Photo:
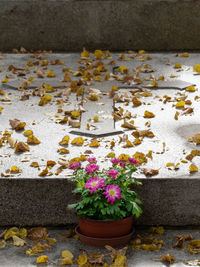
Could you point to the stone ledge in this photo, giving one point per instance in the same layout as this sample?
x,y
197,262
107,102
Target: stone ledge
x,y
106,24
173,202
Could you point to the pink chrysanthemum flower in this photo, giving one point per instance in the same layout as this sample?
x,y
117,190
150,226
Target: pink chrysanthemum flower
x,y
132,160
112,173
112,192
123,164
92,160
115,161
92,168
74,166
94,183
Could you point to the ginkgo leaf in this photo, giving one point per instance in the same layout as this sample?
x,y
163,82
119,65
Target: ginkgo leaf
x,y
82,259
75,114
18,242
28,132
191,88
63,151
21,147
168,258
150,172
2,244
1,108
136,102
51,163
34,164
111,155
38,248
44,100
123,70
22,233
78,141
32,140
196,68
184,54
98,54
50,74
96,118
193,168
140,157
148,114
42,259
65,140
67,254
93,97
178,66
43,172
11,232
180,104
15,169
94,143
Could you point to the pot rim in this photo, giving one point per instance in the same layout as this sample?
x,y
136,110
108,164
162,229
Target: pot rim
x,y
92,220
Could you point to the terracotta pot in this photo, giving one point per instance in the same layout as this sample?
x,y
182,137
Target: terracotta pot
x,y
105,229
101,242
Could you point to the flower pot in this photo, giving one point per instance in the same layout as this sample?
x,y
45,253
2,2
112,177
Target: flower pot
x,y
105,229
101,242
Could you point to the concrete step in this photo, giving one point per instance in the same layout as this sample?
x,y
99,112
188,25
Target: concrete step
x,y
70,25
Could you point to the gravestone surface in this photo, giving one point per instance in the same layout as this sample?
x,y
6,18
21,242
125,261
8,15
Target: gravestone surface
x,y
28,199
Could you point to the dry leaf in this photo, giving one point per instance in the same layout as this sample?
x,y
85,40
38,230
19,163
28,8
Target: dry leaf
x,y
150,172
78,141
148,114
194,138
168,258
2,244
193,168
18,242
17,125
21,147
65,140
42,259
94,143
28,132
37,233
32,140
38,248
75,124
44,100
159,230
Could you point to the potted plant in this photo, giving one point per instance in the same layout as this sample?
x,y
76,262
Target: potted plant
x,y
108,206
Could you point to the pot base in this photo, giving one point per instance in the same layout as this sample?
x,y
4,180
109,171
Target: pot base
x,y
101,242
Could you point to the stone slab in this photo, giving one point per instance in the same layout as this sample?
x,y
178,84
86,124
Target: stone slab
x,y
13,256
70,25
43,201
30,200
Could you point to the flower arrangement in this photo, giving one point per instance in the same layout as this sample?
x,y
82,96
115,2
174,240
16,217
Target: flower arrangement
x,y
106,194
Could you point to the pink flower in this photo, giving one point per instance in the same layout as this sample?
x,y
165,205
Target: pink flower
x,y
112,192
132,160
92,160
92,168
74,165
123,164
115,161
94,183
112,173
